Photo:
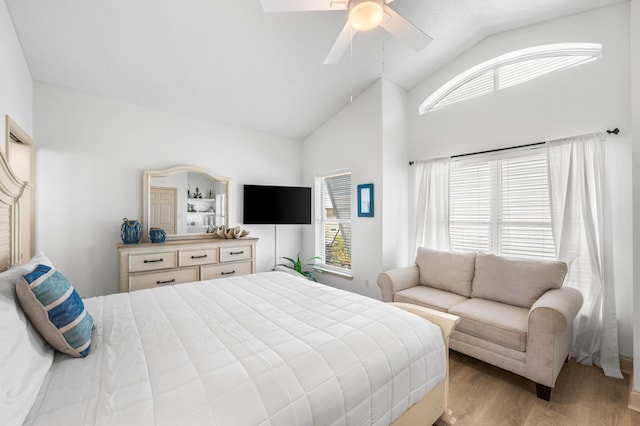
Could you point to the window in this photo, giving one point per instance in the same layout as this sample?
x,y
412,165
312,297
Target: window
x,y
333,223
501,206
511,69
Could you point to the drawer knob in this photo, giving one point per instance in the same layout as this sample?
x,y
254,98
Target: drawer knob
x,y
228,273
237,252
173,280
199,257
154,260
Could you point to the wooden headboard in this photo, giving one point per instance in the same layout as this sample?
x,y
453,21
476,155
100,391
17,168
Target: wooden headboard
x,y
12,229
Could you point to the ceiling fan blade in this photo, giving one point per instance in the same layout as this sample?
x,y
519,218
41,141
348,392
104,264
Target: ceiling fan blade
x,y
404,30
302,5
341,44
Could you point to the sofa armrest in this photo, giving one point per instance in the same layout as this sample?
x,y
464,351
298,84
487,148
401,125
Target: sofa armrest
x,y
549,334
395,280
555,310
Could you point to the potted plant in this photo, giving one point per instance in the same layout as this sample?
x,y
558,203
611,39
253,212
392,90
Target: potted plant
x,y
297,265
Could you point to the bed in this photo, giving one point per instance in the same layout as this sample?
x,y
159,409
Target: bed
x,y
261,349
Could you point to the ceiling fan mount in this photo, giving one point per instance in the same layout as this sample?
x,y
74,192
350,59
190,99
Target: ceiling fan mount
x,y
363,15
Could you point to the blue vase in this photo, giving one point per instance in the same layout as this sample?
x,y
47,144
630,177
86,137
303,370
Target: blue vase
x,y
157,235
130,231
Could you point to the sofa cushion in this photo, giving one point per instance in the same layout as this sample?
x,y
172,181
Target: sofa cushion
x,y
445,270
429,297
517,282
502,324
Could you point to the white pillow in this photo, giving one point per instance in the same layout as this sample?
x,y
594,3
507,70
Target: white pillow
x,y
25,358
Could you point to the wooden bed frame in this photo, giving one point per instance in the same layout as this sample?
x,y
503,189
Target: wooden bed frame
x,y
13,206
431,409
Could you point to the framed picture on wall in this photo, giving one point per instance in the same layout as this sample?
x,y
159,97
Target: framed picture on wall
x,y
365,200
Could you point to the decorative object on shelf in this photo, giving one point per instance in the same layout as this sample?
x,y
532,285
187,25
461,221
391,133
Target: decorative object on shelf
x,y
191,208
239,232
130,231
230,233
365,200
210,195
157,235
188,193
197,194
224,232
218,231
299,267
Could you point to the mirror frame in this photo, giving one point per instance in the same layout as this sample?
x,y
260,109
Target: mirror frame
x,y
146,182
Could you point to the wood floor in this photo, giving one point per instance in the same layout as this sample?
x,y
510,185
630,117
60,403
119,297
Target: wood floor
x,y
480,394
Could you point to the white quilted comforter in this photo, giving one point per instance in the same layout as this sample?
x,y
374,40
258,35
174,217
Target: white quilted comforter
x,y
264,349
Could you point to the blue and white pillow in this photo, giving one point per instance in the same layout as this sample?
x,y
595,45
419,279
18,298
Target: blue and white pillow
x,y
56,310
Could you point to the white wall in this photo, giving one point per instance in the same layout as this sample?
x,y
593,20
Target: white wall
x,y
352,140
16,87
635,123
369,138
91,153
395,168
585,99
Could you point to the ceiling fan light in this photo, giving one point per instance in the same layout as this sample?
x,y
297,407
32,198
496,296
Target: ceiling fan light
x,y
365,15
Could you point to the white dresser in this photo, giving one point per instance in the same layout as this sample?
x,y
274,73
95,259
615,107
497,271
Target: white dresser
x,y
150,265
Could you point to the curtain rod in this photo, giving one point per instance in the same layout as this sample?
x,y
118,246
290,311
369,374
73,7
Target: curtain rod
x,y
411,163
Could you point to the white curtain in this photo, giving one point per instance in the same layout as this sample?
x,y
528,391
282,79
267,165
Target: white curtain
x,y
430,189
576,181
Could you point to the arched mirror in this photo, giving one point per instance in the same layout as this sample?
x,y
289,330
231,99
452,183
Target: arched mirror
x,y
185,201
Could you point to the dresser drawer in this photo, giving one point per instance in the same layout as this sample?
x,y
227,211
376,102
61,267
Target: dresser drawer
x,y
197,256
147,265
156,279
140,262
232,254
227,270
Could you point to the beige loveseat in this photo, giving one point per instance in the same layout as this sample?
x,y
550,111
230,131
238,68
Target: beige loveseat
x,y
514,313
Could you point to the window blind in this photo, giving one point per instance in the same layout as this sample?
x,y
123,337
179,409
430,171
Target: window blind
x,y
470,206
509,70
335,250
520,72
501,206
481,85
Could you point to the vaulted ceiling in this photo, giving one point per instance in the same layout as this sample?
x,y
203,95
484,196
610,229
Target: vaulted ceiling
x,y
230,62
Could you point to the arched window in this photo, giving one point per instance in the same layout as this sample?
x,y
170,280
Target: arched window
x,y
510,69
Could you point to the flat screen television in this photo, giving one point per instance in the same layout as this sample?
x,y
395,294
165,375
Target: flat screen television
x,y
276,205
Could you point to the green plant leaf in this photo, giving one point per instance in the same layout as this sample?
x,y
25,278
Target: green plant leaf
x,y
286,266
298,265
310,275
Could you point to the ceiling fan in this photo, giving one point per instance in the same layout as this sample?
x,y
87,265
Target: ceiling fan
x,y
364,15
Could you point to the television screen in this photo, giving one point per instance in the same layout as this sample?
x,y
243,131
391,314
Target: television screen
x,y
277,205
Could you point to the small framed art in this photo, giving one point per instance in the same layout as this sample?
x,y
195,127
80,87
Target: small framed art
x,y
365,200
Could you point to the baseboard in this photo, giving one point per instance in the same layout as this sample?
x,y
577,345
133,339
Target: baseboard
x,y
626,365
634,397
